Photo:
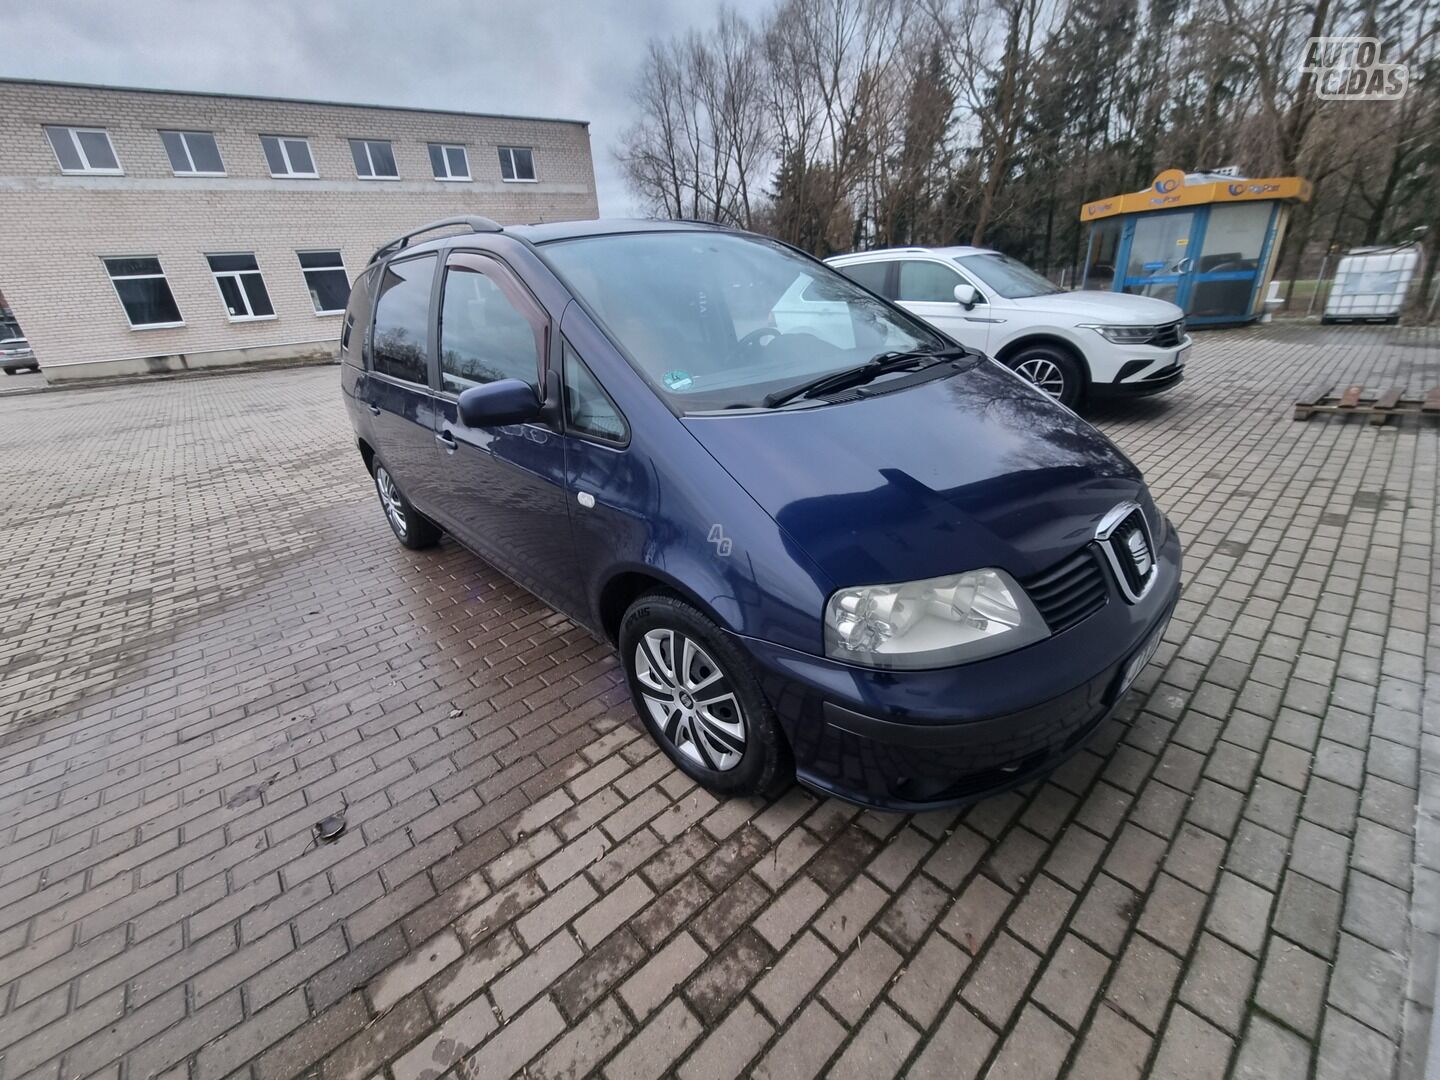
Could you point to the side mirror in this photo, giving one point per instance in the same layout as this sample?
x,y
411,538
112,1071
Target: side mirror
x,y
966,296
505,401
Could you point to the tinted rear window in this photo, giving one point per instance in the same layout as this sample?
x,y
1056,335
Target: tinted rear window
x,y
357,317
871,275
402,320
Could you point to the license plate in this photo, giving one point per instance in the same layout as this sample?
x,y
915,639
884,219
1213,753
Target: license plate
x,y
1182,356
1143,656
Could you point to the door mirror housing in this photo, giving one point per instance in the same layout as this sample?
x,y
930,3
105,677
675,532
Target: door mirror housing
x,y
966,295
505,401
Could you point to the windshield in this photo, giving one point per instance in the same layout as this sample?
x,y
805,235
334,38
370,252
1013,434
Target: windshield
x,y
1009,277
716,320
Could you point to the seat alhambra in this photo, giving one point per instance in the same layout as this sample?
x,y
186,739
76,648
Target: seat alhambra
x,y
854,552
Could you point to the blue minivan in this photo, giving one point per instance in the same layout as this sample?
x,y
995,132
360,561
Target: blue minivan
x,y
827,542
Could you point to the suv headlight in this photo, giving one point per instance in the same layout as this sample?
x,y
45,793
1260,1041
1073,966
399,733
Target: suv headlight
x,y
1124,335
932,623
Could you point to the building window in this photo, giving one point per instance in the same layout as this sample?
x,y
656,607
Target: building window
x,y
242,289
83,150
288,156
517,163
193,153
325,278
449,162
374,160
143,292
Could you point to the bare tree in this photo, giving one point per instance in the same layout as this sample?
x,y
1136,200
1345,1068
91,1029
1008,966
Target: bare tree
x,y
702,139
848,123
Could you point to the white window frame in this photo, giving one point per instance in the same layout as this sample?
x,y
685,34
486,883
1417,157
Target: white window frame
x,y
307,269
371,161
240,286
445,149
280,141
73,131
519,179
185,142
141,277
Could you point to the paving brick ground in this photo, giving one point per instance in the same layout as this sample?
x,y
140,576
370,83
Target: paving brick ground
x,y
210,641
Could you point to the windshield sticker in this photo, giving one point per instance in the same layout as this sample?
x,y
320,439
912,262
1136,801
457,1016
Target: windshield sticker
x,y
678,380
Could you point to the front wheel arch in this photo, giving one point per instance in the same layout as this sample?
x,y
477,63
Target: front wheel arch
x,y
624,588
1015,349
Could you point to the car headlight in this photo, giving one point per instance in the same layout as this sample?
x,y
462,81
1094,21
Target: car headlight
x,y
1125,335
932,623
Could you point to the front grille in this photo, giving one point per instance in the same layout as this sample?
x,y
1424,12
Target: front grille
x,y
1170,335
1071,590
1131,554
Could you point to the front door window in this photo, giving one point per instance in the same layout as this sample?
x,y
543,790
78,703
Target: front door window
x,y
484,334
924,282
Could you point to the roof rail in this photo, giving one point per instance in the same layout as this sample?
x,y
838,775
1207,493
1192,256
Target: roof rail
x,y
474,223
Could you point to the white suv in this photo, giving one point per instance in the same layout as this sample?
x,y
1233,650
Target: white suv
x,y
1070,344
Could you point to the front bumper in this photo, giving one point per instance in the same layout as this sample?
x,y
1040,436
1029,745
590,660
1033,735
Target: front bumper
x,y
1143,370
920,740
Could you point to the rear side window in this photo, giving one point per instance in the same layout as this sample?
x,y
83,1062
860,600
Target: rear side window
x,y
357,316
871,275
927,283
484,336
402,318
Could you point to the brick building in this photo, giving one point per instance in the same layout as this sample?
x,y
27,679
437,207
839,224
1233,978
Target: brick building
x,y
151,230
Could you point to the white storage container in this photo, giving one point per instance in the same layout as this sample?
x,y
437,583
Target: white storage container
x,y
1372,283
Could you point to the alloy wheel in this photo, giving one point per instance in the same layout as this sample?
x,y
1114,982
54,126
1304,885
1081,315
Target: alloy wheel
x,y
390,499
1044,374
690,699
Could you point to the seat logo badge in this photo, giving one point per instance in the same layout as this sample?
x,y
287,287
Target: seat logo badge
x,y
1139,552
1123,536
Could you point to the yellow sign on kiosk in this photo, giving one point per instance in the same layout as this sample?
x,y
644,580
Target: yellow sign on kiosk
x,y
1170,189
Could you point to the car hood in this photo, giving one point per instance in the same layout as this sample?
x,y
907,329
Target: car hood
x,y
977,469
1104,307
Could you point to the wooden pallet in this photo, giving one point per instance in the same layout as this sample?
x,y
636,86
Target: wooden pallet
x,y
1379,408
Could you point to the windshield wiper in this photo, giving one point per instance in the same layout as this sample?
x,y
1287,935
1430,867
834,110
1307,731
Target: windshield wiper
x,y
862,373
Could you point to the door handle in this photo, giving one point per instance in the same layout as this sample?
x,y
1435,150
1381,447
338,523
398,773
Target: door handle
x,y
374,409
447,440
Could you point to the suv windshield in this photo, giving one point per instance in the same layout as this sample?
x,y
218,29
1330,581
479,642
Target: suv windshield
x,y
715,320
1009,277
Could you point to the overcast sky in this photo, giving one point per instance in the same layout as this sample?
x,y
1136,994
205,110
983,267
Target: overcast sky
x,y
570,58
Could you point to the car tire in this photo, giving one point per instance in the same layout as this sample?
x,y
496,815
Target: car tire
x,y
1053,370
730,742
410,527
